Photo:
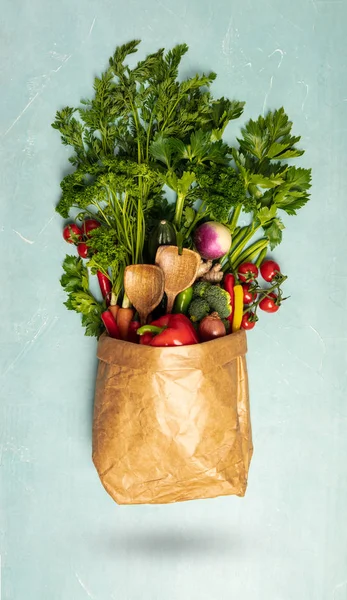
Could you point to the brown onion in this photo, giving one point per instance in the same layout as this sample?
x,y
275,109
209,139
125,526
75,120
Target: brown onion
x,y
211,328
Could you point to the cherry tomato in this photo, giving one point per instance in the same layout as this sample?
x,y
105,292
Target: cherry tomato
x,y
269,269
268,304
72,233
248,296
247,272
89,225
248,320
82,250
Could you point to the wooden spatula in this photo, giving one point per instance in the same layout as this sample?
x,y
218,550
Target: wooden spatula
x,y
144,286
180,270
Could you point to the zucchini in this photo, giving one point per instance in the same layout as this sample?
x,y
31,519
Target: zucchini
x,y
163,235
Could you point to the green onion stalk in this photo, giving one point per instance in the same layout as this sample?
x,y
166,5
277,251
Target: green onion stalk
x,y
240,250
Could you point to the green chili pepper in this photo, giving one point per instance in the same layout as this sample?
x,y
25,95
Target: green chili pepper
x,y
150,329
182,301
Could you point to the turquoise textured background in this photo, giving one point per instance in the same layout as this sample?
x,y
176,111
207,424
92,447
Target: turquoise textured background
x,y
62,537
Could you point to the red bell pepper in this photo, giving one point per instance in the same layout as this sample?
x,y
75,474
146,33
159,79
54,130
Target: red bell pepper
x,y
146,338
228,284
170,330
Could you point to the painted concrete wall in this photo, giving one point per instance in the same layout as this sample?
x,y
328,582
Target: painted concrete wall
x,y
62,537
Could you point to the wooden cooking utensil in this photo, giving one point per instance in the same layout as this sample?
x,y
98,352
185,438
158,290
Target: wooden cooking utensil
x,y
144,286
180,270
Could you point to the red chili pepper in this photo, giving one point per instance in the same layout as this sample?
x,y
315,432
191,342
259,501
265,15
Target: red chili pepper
x,y
105,287
134,325
228,284
170,330
146,338
110,324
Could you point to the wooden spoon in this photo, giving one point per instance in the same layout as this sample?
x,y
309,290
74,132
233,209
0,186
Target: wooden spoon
x,y
144,286
180,270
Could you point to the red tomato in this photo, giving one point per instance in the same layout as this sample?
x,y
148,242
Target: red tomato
x,y
269,269
72,233
248,296
248,320
89,225
82,250
247,271
268,304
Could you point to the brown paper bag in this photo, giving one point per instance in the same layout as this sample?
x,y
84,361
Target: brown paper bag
x,y
172,424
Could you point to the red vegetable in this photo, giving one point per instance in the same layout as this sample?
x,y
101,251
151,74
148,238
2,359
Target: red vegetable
x,y
72,233
82,250
105,286
170,330
248,320
89,225
268,304
211,328
269,269
146,338
248,296
247,272
229,283
134,325
110,324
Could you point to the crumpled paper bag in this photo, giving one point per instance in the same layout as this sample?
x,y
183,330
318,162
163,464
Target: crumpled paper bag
x,y
172,424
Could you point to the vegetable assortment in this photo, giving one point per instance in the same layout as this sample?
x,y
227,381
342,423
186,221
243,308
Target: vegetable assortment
x,y
169,330
145,132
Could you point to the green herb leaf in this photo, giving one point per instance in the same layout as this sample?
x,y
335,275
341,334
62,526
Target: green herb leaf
x,y
266,214
265,182
220,189
76,284
189,216
167,150
281,151
222,112
269,137
274,232
293,193
109,256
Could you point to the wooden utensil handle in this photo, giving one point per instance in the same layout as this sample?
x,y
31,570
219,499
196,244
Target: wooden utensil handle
x,y
170,301
143,318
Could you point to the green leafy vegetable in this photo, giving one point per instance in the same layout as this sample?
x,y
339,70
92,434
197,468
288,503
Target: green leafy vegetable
x,y
76,284
142,116
145,130
269,137
270,184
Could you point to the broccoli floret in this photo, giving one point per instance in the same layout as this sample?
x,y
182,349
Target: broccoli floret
x,y
208,298
226,325
200,288
198,309
219,300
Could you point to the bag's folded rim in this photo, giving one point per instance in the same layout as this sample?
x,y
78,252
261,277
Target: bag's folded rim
x,y
227,348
